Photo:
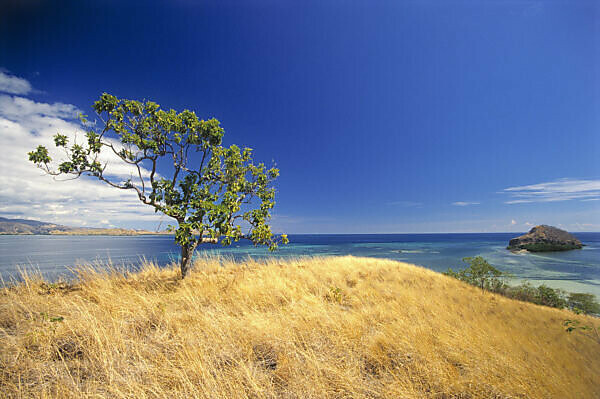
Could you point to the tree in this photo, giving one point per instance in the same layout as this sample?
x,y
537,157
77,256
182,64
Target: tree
x,y
583,303
552,297
480,273
212,192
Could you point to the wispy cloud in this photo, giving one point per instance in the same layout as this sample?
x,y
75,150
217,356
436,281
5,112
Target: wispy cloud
x,y
27,192
558,190
13,84
465,203
407,204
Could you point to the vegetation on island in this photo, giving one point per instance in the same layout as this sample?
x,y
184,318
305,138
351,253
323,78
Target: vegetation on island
x,y
212,191
547,247
340,327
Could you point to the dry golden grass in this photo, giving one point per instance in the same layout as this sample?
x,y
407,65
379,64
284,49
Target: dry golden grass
x,y
307,328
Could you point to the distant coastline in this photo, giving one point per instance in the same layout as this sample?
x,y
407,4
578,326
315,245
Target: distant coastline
x,y
92,232
36,227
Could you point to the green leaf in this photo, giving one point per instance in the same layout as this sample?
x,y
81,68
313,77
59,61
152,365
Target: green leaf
x,y
40,155
60,140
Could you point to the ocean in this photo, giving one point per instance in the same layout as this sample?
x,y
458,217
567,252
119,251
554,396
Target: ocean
x,y
56,256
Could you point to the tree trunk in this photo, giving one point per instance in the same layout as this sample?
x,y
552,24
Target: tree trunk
x,y
187,251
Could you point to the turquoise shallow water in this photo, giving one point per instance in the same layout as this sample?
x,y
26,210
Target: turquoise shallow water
x,y
53,256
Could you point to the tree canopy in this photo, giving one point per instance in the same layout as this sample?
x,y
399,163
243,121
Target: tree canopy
x,y
213,192
479,273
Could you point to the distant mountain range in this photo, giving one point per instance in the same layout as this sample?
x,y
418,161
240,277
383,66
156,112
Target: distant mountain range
x,y
25,226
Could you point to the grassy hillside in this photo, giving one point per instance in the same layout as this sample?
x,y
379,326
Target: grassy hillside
x,y
323,328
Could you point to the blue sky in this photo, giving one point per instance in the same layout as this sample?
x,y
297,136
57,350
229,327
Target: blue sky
x,y
424,116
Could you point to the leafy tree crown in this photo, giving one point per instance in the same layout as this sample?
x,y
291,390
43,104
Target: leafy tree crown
x,y
212,191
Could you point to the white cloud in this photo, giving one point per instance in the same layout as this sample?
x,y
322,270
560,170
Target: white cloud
x,y
14,107
12,84
464,203
558,190
25,191
513,222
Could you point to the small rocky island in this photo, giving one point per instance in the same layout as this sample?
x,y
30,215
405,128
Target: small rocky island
x,y
545,238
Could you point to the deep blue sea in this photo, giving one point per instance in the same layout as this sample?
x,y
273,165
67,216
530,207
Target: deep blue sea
x,y
53,256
